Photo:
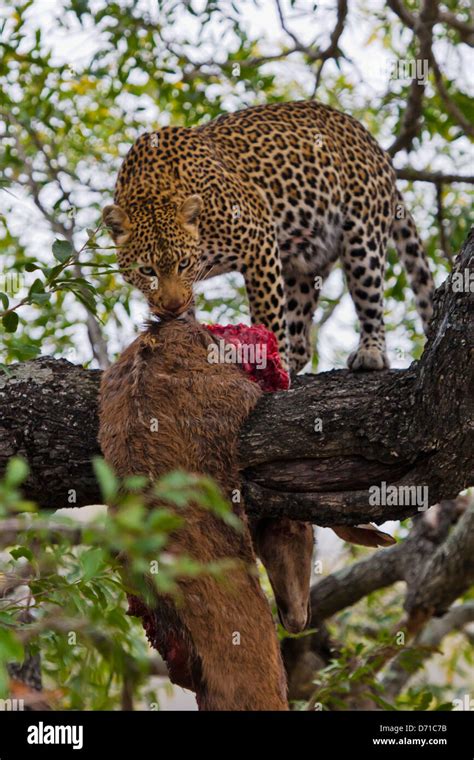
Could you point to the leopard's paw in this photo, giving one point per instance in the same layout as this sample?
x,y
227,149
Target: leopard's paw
x,y
368,358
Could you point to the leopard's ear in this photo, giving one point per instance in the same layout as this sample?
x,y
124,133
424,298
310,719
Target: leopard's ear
x,y
190,210
117,222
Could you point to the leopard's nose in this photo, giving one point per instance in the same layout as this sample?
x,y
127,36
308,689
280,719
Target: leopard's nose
x,y
173,305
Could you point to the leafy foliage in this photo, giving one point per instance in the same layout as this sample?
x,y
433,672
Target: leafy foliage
x,y
66,599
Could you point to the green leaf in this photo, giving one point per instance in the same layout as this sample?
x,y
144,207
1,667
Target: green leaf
x,y
16,472
380,702
91,562
130,517
10,647
10,321
52,272
7,618
26,351
135,482
164,521
4,681
22,551
62,250
425,700
37,293
37,286
40,298
106,478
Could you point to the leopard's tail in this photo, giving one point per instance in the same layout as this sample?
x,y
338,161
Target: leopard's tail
x,y
413,257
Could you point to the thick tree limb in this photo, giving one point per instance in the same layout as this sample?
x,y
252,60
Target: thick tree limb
x,y
413,427
312,453
345,587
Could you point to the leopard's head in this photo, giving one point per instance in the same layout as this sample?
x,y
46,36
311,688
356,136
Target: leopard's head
x,y
158,250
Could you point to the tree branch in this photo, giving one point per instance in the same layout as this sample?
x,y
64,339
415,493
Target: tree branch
x,y
465,30
403,561
448,573
449,104
413,175
407,562
402,12
316,452
422,26
332,50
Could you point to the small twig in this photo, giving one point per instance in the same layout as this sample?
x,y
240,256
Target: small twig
x,y
449,104
465,30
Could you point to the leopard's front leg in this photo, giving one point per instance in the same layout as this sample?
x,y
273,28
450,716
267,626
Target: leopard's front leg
x,y
266,293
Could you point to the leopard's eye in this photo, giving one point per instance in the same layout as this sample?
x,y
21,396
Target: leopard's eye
x,y
183,264
147,271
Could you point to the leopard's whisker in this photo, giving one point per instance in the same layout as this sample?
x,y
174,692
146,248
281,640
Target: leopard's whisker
x,y
202,271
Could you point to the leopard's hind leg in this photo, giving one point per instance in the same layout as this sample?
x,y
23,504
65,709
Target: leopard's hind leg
x,y
363,258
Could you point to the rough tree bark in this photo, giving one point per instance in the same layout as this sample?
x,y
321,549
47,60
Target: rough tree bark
x,y
312,452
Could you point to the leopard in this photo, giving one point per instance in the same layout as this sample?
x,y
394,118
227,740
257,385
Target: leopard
x,y
280,193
